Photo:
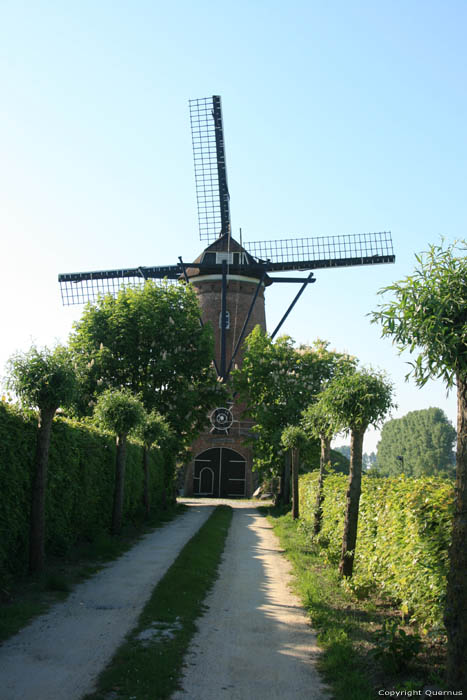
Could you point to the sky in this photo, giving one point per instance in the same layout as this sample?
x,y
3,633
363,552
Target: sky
x,y
339,118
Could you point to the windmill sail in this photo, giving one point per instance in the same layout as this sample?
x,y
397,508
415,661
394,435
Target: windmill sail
x,y
212,193
324,251
81,287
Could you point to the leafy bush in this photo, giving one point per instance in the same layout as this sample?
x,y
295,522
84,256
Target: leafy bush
x,y
395,648
80,484
404,532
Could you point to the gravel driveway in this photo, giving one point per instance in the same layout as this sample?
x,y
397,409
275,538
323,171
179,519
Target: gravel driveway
x,y
254,642
60,654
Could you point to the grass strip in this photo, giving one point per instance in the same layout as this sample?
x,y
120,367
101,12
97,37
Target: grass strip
x,y
148,665
347,627
30,596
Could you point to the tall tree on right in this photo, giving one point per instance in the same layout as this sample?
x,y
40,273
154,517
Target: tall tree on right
x,y
428,311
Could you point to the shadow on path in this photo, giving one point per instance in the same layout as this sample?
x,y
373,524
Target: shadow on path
x,y
255,640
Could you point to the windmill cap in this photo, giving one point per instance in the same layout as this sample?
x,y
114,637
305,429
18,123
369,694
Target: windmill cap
x,y
227,248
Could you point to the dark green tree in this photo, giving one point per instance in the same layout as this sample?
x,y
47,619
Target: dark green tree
x,y
120,412
420,443
153,431
318,423
428,312
150,341
344,450
293,438
276,382
353,401
44,380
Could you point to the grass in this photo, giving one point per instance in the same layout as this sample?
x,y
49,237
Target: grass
x,y
349,629
29,596
148,665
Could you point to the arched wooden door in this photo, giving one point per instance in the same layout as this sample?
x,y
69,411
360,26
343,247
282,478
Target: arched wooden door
x,y
219,472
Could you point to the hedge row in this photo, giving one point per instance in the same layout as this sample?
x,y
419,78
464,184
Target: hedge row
x,y
79,489
404,530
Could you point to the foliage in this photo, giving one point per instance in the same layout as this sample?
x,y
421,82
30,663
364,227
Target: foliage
x,y
404,534
293,437
80,482
150,341
344,450
428,311
369,459
42,379
352,401
119,411
318,422
423,439
348,627
396,649
356,399
154,429
277,381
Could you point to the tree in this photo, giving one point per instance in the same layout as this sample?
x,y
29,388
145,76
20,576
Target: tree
x,y
369,462
344,450
293,439
276,382
428,312
42,379
120,412
353,401
419,443
153,430
149,340
318,423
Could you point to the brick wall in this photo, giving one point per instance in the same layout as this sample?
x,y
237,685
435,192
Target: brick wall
x,y
240,293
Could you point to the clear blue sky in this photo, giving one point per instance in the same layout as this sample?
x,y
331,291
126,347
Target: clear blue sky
x,y
339,118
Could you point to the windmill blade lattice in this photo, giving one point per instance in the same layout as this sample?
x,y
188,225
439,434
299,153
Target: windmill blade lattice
x,y
324,251
212,193
83,287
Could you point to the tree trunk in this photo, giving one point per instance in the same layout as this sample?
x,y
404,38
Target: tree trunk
x,y
39,485
117,511
146,503
455,616
349,539
284,496
325,458
295,463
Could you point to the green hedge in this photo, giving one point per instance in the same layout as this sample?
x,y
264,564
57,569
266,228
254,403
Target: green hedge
x,y
404,530
79,489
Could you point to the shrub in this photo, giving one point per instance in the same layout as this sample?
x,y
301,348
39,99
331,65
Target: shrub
x,y
404,531
80,485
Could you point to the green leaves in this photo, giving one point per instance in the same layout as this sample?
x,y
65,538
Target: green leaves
x,y
404,533
154,429
150,341
428,311
420,443
119,411
356,399
293,437
42,378
277,382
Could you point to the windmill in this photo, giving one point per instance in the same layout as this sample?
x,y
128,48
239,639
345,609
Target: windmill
x,y
229,278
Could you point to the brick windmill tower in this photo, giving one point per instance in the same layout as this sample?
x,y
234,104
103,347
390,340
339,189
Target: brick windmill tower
x,y
230,279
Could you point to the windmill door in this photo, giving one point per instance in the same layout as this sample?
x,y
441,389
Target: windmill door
x,y
220,473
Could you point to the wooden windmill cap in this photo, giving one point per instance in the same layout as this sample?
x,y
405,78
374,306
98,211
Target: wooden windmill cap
x,y
238,259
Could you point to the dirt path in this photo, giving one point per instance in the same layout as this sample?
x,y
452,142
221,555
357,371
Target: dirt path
x,y
60,654
254,642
